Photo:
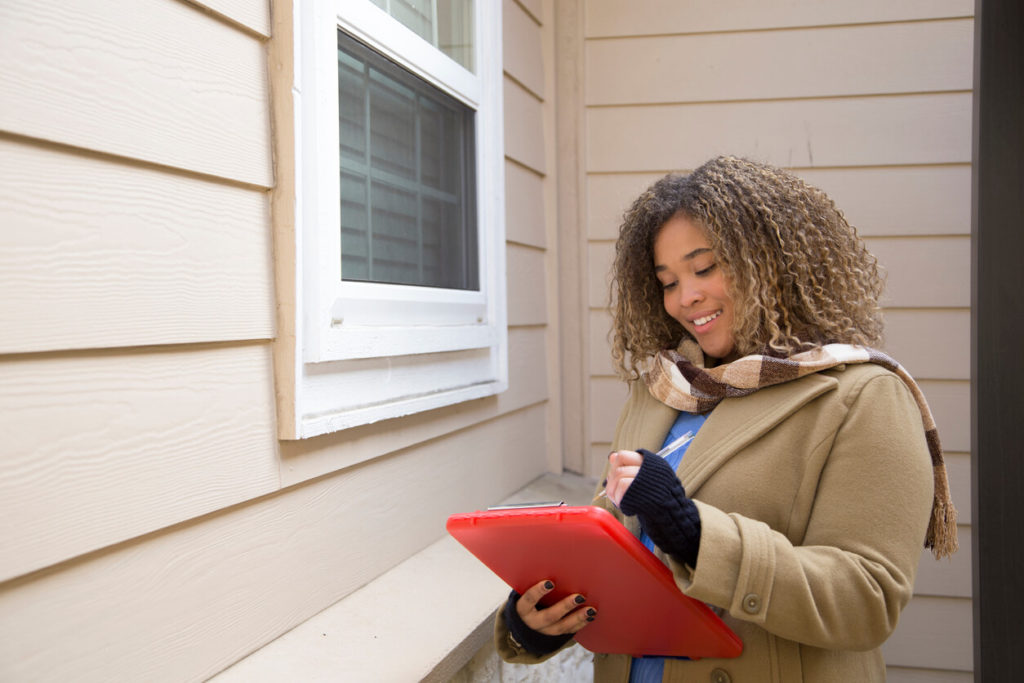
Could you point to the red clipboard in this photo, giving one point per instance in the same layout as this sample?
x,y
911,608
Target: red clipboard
x,y
586,550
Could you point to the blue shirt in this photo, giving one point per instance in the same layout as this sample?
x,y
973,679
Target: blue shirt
x,y
651,669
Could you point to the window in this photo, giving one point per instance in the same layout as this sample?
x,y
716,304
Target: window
x,y
399,211
408,181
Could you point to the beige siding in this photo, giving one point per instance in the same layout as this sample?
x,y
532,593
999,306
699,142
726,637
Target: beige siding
x,y
872,102
900,200
524,213
571,269
932,128
534,296
934,633
878,200
526,286
186,603
254,16
154,526
522,50
524,116
150,257
848,60
609,18
106,446
899,674
199,106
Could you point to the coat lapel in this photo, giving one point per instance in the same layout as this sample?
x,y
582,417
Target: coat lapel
x,y
644,423
735,423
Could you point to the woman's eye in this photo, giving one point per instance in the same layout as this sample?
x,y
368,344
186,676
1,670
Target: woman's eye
x,y
665,286
708,270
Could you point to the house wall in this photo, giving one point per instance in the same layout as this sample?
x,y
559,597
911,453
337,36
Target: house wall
x,y
154,527
870,101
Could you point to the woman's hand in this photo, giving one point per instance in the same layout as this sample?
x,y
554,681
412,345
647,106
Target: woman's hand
x,y
623,467
568,615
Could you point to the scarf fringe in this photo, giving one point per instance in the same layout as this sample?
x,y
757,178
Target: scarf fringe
x,y
941,538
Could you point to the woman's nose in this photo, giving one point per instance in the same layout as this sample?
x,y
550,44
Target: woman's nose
x,y
689,294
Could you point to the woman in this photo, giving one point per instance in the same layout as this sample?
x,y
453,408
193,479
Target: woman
x,y
745,307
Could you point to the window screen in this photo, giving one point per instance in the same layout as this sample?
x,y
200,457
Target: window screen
x,y
408,210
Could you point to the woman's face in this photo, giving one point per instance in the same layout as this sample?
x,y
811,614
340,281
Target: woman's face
x,y
696,290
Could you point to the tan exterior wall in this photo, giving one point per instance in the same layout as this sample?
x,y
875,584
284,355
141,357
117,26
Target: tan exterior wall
x,y
870,101
154,526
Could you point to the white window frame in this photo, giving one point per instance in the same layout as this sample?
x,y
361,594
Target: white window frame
x,y
369,351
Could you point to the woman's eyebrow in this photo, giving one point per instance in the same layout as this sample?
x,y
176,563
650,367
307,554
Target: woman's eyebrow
x,y
692,255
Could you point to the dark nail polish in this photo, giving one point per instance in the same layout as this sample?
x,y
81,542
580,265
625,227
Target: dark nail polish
x,y
548,585
591,612
590,618
580,599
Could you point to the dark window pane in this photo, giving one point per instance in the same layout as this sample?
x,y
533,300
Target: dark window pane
x,y
408,179
355,225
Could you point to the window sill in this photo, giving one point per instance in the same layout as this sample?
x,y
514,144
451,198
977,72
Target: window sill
x,y
407,623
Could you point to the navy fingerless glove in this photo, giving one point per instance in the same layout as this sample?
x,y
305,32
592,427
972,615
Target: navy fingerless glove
x,y
670,518
534,642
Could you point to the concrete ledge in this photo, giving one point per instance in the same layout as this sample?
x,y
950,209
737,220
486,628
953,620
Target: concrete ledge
x,y
422,620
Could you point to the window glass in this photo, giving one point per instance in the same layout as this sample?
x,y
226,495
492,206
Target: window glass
x,y
445,24
408,210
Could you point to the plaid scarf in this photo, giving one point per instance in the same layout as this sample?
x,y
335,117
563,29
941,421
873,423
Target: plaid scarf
x,y
678,380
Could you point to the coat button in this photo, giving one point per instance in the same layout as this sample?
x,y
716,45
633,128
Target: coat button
x,y
752,603
720,676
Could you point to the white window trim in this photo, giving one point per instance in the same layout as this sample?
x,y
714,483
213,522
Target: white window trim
x,y
365,351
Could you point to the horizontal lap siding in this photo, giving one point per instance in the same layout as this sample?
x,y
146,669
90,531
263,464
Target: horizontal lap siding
x,y
155,528
136,260
253,15
174,88
877,200
607,18
186,603
99,253
870,101
524,206
932,128
898,674
106,446
934,633
532,281
526,286
719,67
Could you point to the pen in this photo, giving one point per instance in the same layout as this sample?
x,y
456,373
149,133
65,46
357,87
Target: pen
x,y
668,450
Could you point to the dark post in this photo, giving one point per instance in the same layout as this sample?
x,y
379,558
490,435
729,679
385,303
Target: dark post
x,y
997,341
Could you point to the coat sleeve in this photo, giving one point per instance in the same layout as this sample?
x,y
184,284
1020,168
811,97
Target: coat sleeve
x,y
511,651
844,585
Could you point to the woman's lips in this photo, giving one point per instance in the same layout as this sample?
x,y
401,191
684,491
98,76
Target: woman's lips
x,y
705,320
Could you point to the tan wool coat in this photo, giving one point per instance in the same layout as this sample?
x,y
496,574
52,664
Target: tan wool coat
x,y
814,498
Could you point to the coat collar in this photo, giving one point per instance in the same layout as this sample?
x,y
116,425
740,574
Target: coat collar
x,y
736,423
732,426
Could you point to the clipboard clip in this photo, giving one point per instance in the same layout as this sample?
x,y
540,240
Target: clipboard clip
x,y
521,506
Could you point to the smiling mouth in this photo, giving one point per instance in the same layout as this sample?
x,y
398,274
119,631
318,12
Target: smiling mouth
x,y
706,319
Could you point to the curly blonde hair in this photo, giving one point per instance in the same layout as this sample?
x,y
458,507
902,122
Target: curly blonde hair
x,y
799,275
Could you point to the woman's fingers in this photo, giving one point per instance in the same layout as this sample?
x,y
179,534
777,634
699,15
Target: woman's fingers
x,y
617,489
568,615
623,467
528,600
